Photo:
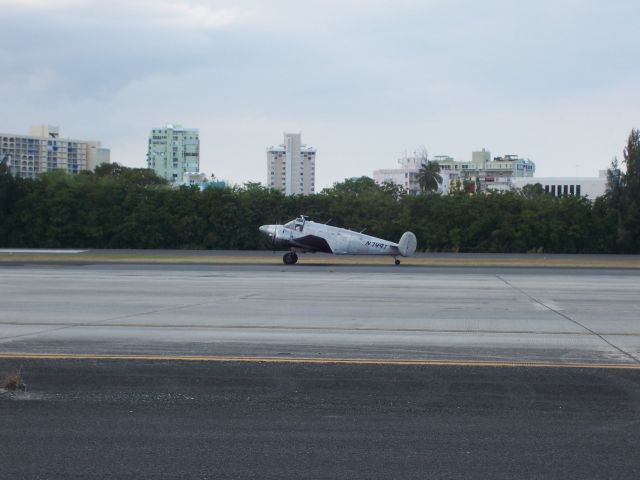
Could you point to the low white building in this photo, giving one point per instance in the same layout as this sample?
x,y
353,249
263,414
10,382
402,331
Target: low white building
x,y
484,173
590,187
200,180
481,174
406,176
193,178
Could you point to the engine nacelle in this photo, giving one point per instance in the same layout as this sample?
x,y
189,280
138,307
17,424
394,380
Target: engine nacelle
x,y
281,237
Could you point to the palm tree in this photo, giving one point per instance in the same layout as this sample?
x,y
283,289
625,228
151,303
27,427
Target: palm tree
x,y
429,176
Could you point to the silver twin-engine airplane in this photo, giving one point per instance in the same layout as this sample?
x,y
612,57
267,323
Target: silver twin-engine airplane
x,y
302,235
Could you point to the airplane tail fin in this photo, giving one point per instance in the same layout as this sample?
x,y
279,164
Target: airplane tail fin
x,y
407,244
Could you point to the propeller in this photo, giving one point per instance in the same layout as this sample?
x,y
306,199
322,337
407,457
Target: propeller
x,y
273,237
270,231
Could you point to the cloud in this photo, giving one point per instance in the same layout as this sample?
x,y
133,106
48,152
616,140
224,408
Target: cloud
x,y
119,14
364,80
41,79
190,14
41,4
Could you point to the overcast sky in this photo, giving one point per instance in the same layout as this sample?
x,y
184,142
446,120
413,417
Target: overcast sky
x,y
364,80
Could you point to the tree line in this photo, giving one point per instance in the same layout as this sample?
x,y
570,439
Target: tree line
x,y
119,207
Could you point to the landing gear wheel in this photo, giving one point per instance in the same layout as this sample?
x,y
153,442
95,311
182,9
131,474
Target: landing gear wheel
x,y
290,258
397,262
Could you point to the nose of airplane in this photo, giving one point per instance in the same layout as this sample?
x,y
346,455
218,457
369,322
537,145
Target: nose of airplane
x,y
267,229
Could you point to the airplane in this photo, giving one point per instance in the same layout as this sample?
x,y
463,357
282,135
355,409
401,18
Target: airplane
x,y
303,235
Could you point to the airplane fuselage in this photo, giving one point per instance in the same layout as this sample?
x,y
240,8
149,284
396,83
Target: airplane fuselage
x,y
302,235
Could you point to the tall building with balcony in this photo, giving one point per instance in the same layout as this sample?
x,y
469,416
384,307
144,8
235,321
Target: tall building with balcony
x,y
291,166
174,151
43,150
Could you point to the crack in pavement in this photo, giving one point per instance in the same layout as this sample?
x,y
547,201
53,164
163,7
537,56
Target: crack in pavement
x,y
593,332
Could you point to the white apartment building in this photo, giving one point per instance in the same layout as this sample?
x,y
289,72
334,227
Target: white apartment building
x,y
405,176
43,150
174,151
589,187
291,166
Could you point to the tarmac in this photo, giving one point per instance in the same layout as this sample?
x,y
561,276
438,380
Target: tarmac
x,y
324,312
209,420
251,369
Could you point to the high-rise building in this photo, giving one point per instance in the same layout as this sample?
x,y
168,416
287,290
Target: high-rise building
x,y
174,151
291,166
43,150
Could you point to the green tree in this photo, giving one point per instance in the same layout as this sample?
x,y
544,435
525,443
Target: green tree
x,y
136,176
608,208
632,160
622,200
429,176
361,204
9,195
629,238
532,191
116,207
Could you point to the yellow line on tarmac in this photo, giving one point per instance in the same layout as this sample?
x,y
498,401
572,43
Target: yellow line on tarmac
x,y
312,360
524,261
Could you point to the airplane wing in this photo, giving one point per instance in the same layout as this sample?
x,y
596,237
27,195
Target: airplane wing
x,y
312,243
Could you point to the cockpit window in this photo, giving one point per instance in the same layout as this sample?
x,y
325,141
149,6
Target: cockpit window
x,y
297,224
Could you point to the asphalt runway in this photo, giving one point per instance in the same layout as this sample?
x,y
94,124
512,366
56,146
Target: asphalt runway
x,y
376,313
210,420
